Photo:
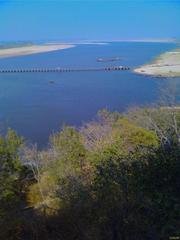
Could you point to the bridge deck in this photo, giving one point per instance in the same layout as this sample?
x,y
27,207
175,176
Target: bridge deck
x,y
34,70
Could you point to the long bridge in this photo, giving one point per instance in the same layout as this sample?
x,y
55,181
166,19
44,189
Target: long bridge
x,y
46,70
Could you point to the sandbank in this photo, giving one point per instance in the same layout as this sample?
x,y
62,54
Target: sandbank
x,y
32,49
166,65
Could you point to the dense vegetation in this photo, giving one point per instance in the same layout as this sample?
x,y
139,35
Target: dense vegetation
x,y
114,178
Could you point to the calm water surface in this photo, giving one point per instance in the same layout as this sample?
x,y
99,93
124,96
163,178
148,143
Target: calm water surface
x,y
34,107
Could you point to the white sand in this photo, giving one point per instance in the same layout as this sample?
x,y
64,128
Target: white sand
x,y
27,50
166,65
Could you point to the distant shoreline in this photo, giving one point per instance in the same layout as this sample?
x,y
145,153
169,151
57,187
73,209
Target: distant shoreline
x,y
165,65
149,40
32,49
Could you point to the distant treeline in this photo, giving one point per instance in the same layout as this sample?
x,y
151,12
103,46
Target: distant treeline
x,y
116,178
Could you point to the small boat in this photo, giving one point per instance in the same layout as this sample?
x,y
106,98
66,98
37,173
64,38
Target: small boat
x,y
51,81
108,59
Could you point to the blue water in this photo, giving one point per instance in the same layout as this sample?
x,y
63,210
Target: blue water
x,y
36,108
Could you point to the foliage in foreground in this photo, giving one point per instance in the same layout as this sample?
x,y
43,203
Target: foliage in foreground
x,y
115,178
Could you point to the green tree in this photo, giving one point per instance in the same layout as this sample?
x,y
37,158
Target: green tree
x,y
11,187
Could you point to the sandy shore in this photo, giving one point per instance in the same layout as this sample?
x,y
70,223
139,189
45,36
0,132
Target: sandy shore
x,y
166,65
27,50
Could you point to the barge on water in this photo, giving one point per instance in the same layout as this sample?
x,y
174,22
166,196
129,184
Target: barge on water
x,y
113,59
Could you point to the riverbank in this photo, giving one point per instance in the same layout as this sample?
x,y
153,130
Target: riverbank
x,y
166,65
32,49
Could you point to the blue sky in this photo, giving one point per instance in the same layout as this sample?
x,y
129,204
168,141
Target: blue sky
x,y
88,19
